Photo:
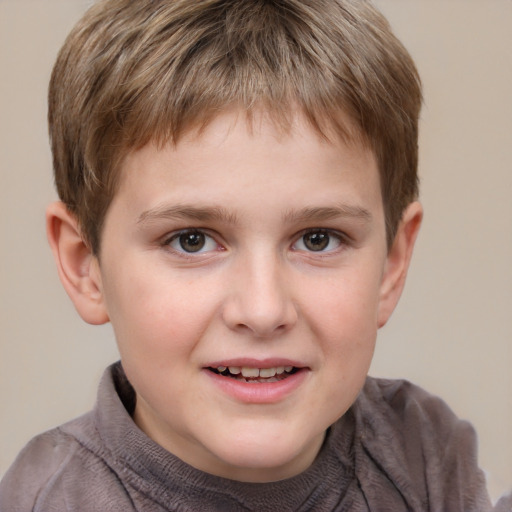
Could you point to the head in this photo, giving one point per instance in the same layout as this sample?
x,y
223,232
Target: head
x,y
135,72
238,184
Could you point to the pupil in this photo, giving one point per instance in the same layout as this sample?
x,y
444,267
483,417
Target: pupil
x,y
316,241
192,242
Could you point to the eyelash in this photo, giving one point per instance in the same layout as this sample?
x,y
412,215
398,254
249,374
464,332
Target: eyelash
x,y
340,238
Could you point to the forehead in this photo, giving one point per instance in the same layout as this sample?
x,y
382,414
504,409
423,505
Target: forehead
x,y
234,157
257,121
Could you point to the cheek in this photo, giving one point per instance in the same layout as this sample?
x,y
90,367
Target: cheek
x,y
345,307
154,314
344,319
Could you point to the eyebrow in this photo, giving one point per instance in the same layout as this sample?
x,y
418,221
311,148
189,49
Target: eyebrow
x,y
318,214
219,214
187,212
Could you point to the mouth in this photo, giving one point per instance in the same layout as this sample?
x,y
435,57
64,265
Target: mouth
x,y
257,381
255,375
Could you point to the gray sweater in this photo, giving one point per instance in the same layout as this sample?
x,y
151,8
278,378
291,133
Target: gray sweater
x,y
396,449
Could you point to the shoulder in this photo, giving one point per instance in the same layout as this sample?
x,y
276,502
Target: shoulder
x,y
50,473
419,424
421,445
415,416
400,395
36,466
402,402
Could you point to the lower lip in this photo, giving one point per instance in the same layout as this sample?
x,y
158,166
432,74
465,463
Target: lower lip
x,y
258,392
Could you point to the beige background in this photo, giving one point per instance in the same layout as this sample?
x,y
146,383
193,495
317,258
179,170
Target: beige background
x,y
452,332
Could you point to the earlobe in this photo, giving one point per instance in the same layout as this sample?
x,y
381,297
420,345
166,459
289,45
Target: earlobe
x,y
398,260
78,268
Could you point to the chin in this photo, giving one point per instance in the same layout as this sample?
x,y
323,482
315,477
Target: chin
x,y
266,458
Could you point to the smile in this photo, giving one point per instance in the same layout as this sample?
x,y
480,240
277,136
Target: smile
x,y
255,375
257,382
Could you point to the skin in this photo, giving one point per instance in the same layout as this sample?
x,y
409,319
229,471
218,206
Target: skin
x,y
256,291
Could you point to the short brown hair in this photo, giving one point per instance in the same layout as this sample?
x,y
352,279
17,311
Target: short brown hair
x,y
135,71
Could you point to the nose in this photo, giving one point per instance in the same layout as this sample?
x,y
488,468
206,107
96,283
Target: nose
x,y
259,299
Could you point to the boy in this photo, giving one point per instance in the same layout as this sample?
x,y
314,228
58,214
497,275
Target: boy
x,y
239,199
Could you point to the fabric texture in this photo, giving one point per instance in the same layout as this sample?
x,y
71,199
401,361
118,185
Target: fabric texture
x,y
396,449
504,504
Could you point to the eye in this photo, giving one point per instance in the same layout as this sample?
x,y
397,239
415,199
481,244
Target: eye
x,y
192,241
318,240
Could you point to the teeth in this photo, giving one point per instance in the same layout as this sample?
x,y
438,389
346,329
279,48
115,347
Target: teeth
x,y
250,372
254,373
268,372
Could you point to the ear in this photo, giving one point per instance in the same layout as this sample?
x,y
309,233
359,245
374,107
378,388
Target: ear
x,y
397,261
78,268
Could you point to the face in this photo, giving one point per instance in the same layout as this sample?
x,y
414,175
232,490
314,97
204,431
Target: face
x,y
243,271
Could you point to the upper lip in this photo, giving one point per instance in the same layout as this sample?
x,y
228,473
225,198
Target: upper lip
x,y
255,363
